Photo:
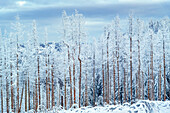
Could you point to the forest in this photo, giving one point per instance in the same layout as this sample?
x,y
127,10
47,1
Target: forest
x,y
118,67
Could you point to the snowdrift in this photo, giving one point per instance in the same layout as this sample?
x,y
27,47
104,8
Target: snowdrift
x,y
143,106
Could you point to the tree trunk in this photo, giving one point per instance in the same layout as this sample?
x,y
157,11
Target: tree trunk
x,y
159,91
148,84
131,69
7,94
17,84
1,96
46,86
114,91
130,35
70,78
26,94
106,82
124,97
12,94
103,83
59,96
164,70
62,101
94,85
39,90
151,66
29,104
80,84
46,91
86,92
74,80
143,85
127,98
65,90
118,75
52,74
33,96
108,95
21,100
36,95
48,82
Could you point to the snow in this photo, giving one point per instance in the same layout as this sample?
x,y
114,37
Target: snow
x,y
143,106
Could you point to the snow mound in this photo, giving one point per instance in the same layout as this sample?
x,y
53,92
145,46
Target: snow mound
x,y
143,106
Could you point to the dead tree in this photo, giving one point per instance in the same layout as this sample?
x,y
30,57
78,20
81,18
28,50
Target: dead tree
x,y
21,99
7,95
143,85
1,96
36,95
7,88
151,67
39,90
124,97
159,91
52,74
74,80
114,90
49,81
29,101
127,98
86,89
130,32
148,84
17,83
26,93
80,83
94,78
103,77
12,94
108,99
164,69
65,90
46,85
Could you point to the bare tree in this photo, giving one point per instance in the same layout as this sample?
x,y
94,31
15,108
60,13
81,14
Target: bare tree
x,y
130,36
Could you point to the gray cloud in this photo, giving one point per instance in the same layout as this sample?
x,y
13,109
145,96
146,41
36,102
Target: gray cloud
x,y
50,14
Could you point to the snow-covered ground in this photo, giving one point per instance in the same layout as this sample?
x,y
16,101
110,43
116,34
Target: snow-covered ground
x,y
143,106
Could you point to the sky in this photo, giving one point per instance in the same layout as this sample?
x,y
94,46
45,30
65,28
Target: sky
x,y
97,13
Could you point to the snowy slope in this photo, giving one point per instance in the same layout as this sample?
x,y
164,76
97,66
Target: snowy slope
x,y
139,107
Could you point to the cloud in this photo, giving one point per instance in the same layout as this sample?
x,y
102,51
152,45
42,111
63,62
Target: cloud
x,y
98,13
142,1
21,3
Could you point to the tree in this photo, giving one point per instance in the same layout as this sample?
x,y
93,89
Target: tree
x,y
108,95
130,36
94,85
1,76
151,62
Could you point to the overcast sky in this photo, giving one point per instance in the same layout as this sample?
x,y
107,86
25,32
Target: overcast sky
x,y
98,13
